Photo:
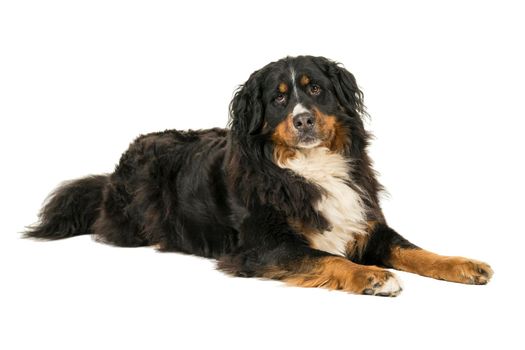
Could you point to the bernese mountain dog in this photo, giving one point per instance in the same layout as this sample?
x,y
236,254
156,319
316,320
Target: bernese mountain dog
x,y
287,192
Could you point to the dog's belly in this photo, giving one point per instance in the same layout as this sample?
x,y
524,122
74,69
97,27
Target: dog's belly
x,y
341,205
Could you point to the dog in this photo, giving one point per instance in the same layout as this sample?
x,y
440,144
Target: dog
x,y
288,192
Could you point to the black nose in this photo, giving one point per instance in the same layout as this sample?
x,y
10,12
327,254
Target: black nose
x,y
303,121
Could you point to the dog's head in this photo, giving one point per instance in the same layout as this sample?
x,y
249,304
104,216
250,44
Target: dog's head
x,y
299,103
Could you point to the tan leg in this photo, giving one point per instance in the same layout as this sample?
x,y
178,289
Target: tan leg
x,y
338,273
448,268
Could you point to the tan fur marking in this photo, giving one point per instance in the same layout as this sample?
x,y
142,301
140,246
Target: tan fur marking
x,y
305,80
448,268
282,153
356,248
284,133
284,140
299,227
371,225
332,133
283,87
335,273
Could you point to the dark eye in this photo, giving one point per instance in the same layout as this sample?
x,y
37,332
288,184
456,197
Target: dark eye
x,y
281,98
314,89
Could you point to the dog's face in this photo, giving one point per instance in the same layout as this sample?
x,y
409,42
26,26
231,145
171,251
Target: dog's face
x,y
298,103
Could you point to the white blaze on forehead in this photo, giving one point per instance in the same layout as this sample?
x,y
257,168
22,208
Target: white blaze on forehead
x,y
298,109
294,85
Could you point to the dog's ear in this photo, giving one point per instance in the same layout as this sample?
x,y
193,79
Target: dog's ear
x,y
345,86
246,107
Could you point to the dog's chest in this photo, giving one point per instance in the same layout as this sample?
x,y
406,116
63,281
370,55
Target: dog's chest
x,y
340,205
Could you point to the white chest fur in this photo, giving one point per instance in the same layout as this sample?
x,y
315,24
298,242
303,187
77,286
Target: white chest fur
x,y
340,204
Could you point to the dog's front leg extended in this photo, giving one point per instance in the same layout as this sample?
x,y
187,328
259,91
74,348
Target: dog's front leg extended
x,y
271,249
386,247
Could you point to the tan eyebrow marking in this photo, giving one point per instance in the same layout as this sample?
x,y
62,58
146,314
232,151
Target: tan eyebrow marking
x,y
305,80
283,88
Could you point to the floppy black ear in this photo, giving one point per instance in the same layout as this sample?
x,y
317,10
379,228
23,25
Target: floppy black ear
x,y
345,86
246,107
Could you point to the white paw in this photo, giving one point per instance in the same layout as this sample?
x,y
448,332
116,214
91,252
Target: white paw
x,y
391,287
388,286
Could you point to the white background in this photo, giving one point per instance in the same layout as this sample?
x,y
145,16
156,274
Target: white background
x,y
443,82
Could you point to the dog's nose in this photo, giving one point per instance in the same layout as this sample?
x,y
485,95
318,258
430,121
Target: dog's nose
x,y
303,121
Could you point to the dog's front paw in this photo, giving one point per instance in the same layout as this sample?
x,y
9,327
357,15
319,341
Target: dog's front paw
x,y
468,271
378,282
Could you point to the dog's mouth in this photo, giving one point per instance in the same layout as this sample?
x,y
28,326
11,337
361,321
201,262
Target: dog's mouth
x,y
308,141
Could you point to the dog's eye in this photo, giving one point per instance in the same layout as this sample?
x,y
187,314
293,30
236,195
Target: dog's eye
x,y
314,89
281,98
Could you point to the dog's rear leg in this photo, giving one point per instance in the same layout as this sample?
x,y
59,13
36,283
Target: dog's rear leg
x,y
115,224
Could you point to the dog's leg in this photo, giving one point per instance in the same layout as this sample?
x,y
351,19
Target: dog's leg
x,y
272,250
310,268
338,273
386,247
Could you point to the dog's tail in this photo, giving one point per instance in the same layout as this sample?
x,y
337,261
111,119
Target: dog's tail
x,y
70,210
